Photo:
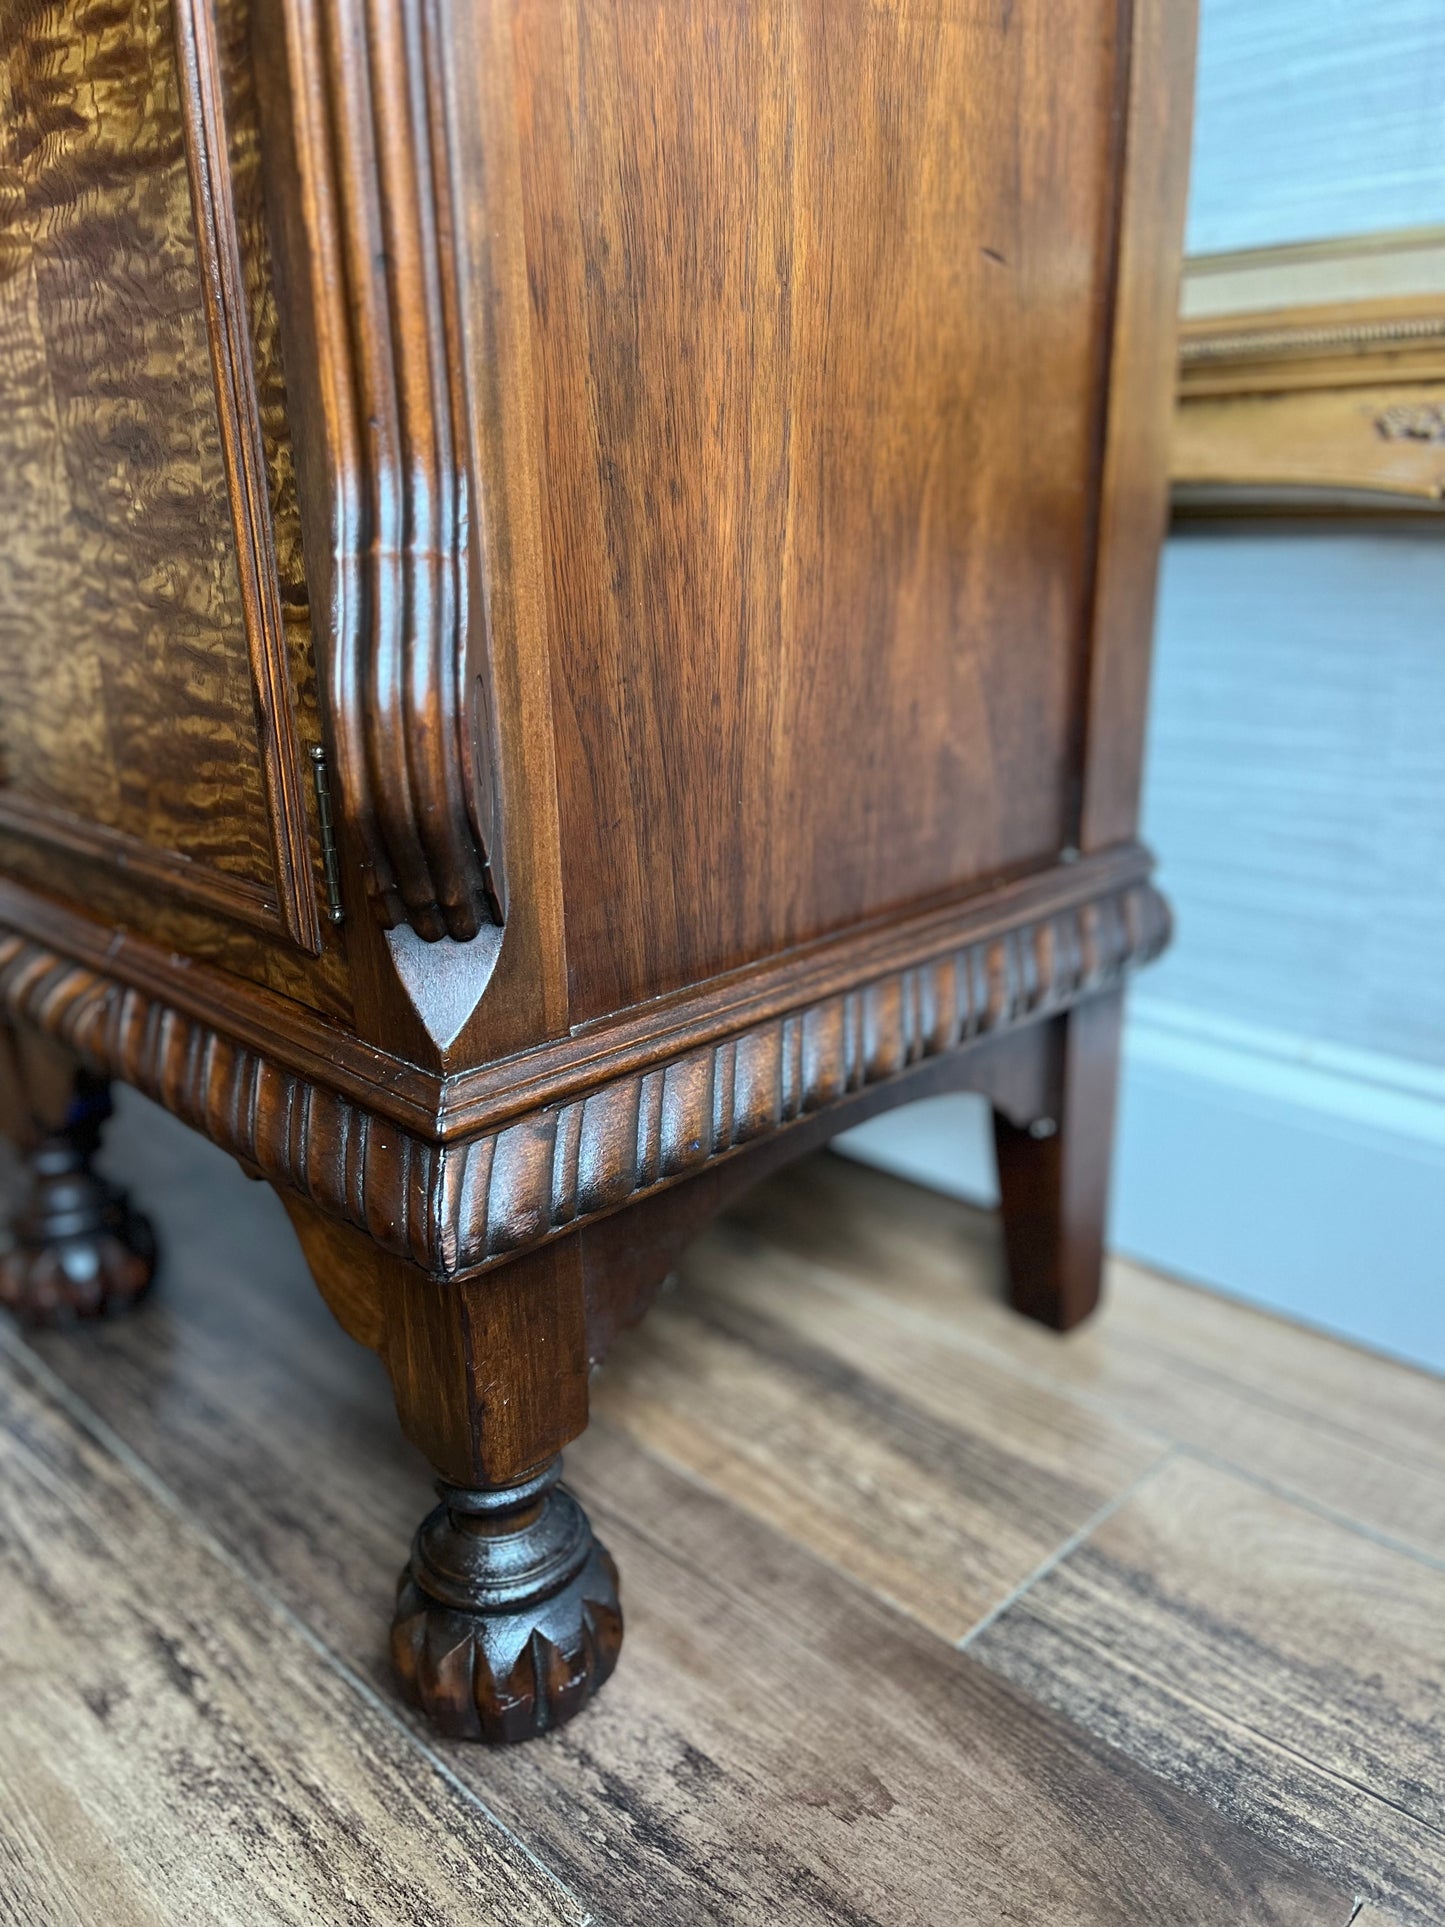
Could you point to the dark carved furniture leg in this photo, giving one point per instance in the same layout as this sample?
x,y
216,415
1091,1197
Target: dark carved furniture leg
x,y
78,1249
507,1616
1054,1175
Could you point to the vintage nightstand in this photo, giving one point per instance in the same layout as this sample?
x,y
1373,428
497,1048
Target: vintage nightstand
x,y
574,619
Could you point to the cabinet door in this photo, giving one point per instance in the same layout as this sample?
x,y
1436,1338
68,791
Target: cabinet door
x,y
156,690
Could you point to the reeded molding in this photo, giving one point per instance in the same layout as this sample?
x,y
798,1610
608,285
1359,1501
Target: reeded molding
x,y
456,1207
1242,348
407,665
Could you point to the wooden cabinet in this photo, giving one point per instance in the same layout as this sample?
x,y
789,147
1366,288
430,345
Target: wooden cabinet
x,y
574,615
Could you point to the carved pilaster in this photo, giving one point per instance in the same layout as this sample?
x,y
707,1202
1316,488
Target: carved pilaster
x,y
375,347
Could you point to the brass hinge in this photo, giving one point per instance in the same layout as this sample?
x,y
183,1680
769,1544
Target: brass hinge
x,y
330,862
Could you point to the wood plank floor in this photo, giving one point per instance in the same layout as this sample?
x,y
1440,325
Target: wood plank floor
x,y
932,1617
171,1743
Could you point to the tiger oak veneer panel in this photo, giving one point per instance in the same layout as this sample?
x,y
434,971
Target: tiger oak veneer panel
x,y
575,608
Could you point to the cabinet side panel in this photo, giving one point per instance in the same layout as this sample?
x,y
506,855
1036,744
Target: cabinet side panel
x,y
820,291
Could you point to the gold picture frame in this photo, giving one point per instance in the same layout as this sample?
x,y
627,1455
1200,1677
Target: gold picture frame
x,y
1313,378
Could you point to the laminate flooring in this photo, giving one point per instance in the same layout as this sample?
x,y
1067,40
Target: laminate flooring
x,y
932,1616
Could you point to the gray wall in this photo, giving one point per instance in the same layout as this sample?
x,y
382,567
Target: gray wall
x,y
1316,118
1296,785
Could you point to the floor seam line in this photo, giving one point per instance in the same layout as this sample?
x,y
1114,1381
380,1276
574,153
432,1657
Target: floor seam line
x,y
1065,1548
1084,1641
677,1468
990,1351
1287,1495
104,1434
1103,1406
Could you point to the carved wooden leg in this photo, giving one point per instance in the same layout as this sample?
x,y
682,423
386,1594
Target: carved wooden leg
x,y
507,1617
79,1250
1054,1175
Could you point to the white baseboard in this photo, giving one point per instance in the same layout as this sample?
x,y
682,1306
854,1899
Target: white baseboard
x,y
1303,1177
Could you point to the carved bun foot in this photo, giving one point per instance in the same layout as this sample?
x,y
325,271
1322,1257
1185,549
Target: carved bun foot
x,y
507,1618
79,1251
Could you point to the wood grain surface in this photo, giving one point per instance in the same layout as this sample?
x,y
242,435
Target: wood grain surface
x,y
128,691
1322,1421
1284,1666
158,676
455,1208
362,177
1133,488
175,1748
818,295
938,1483
782,1746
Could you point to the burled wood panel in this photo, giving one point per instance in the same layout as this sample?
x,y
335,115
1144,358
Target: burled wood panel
x,y
124,654
819,291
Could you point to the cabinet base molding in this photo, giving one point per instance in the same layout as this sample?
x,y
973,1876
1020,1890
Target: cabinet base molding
x,y
457,1205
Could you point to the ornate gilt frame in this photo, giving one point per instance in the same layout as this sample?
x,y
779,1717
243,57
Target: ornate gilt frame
x,y
1313,378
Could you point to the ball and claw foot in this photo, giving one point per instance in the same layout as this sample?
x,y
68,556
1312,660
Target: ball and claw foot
x,y
507,1618
79,1251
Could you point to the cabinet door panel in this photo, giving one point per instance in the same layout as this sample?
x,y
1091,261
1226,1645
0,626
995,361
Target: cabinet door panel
x,y
153,646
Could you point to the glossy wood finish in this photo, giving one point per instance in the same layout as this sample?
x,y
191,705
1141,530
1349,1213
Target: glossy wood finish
x,y
796,247
1053,1175
379,351
76,1249
728,450
557,1137
149,721
1134,501
507,1617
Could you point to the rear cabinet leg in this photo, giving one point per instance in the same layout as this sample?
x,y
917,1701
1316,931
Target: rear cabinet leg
x,y
507,1617
1054,1175
77,1249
